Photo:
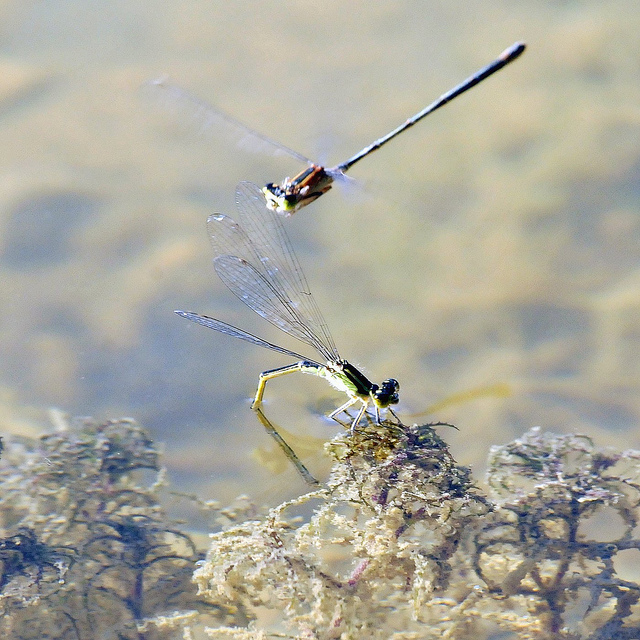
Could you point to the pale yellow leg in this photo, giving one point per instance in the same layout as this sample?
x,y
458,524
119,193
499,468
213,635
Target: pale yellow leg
x,y
359,416
341,408
304,367
348,404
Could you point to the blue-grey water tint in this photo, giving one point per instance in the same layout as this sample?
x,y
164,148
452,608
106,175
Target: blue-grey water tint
x,y
39,229
495,242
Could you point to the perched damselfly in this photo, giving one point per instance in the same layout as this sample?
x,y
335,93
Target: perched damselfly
x,y
292,194
255,260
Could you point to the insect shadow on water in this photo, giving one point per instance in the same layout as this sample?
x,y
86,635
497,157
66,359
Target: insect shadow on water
x,y
255,260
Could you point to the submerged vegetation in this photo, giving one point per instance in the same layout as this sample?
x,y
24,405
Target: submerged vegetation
x,y
398,543
86,550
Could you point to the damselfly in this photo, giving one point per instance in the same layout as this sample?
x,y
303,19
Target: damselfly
x,y
255,260
292,194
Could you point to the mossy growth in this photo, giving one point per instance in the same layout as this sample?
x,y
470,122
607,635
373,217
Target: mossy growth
x,y
398,544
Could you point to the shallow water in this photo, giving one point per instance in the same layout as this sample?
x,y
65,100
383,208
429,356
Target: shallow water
x,y
496,242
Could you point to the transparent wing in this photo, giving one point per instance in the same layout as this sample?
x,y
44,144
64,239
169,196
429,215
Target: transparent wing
x,y
279,261
235,332
255,259
259,294
207,117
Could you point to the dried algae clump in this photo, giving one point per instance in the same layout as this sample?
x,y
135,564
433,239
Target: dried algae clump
x,y
359,558
561,545
398,545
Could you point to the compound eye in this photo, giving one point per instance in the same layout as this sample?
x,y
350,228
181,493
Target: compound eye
x,y
272,189
388,392
391,385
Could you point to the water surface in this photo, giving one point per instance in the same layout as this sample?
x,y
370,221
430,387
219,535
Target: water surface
x,y
496,242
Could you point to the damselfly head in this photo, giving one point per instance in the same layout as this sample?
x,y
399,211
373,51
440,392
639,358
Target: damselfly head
x,y
297,192
386,394
280,199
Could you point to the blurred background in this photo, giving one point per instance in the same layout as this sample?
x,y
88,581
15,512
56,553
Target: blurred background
x,y
490,255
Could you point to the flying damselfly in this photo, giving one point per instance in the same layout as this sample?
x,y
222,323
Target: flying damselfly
x,y
292,194
255,260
